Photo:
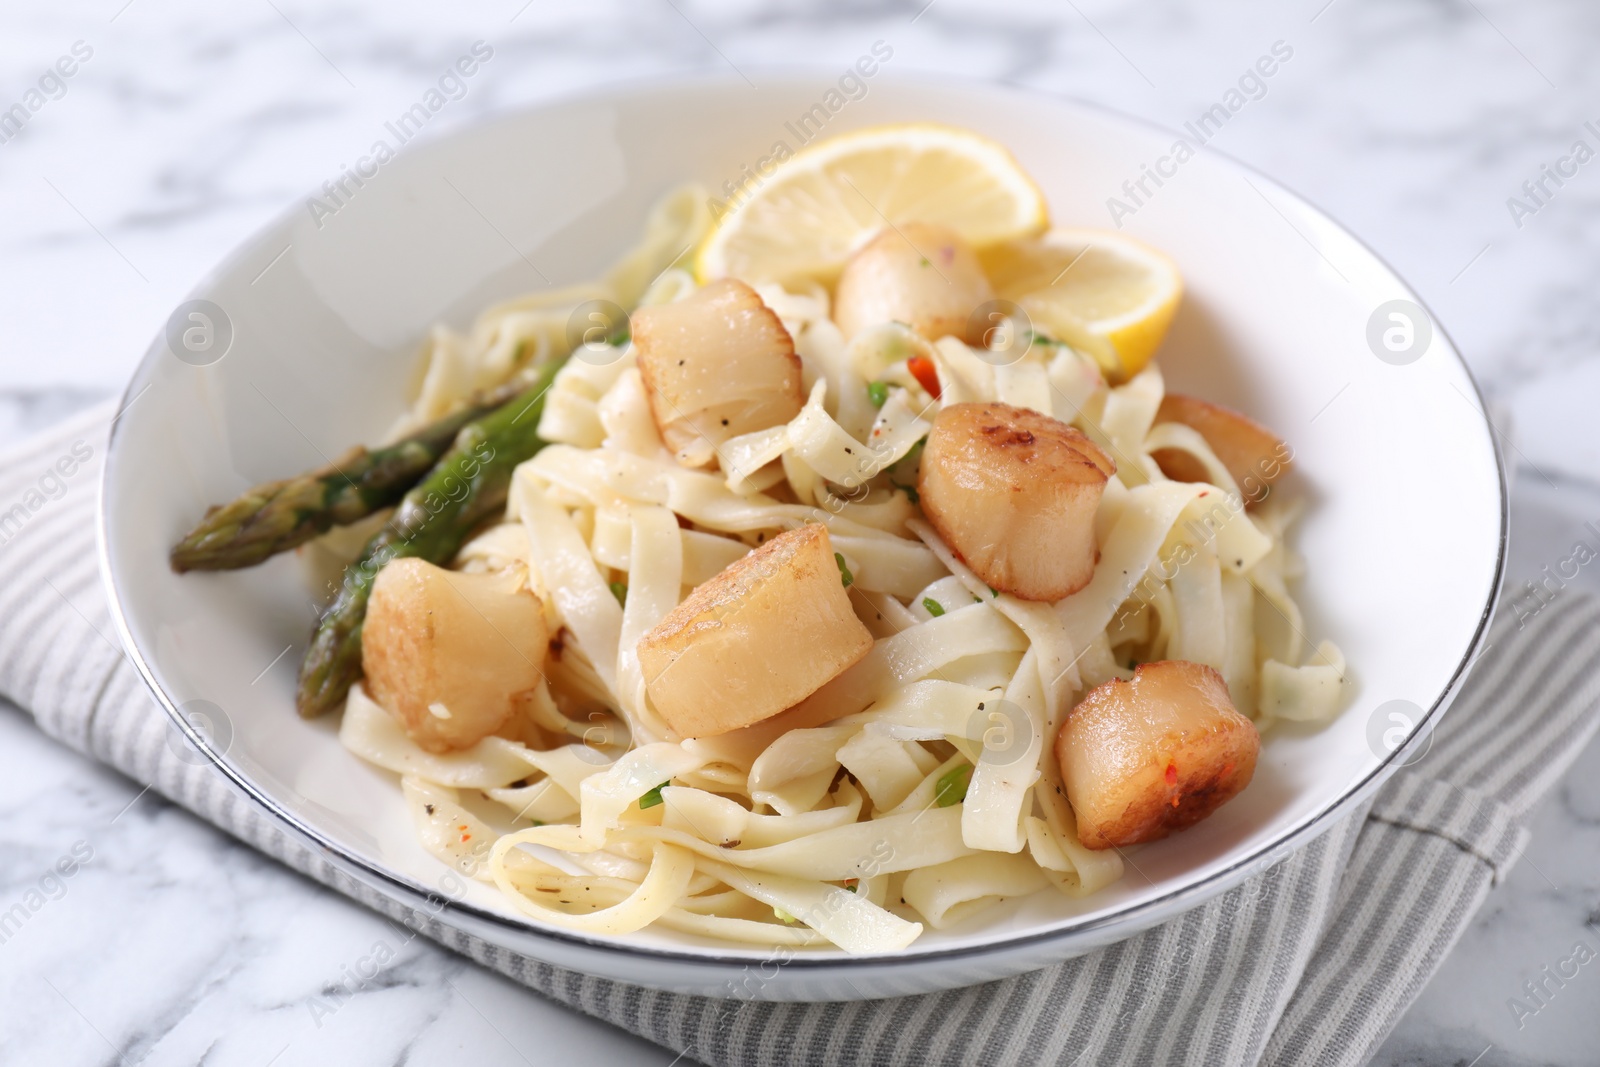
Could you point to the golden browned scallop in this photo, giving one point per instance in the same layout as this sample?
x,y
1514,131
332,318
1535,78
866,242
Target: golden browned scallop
x,y
715,365
1014,493
1145,757
1253,454
449,654
924,276
754,640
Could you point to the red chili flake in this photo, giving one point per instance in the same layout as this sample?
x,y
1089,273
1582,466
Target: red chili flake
x,y
1174,801
923,370
1172,774
466,837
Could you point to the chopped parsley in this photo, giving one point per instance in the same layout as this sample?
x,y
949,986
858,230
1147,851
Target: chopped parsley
x,y
652,798
878,393
620,591
952,786
844,572
934,607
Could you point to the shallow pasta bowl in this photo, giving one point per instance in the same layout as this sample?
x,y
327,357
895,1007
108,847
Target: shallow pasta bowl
x,y
318,320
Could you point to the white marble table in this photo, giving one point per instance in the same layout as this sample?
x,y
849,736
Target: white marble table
x,y
186,127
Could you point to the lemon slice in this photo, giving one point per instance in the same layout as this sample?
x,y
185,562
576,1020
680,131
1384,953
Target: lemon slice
x,y
1097,290
829,199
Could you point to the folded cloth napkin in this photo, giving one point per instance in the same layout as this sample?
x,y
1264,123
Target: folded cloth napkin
x,y
1310,962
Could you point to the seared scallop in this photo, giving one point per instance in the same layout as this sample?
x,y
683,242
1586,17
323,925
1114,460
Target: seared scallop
x,y
450,654
1253,454
1014,494
715,365
756,639
1145,757
924,276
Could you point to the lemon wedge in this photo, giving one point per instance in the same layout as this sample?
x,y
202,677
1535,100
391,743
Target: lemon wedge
x,y
804,220
1099,291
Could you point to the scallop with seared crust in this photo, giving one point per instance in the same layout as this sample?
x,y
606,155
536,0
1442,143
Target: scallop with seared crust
x,y
1253,454
756,639
1145,757
1014,493
449,654
715,365
924,276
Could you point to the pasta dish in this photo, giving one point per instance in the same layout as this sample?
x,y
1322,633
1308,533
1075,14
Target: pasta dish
x,y
840,578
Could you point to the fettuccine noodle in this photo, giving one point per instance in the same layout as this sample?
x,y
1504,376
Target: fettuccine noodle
x,y
829,824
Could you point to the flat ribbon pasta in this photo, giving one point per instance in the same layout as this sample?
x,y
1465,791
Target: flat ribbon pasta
x,y
918,786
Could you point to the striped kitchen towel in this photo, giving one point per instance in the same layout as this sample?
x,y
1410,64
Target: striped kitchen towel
x,y
1309,963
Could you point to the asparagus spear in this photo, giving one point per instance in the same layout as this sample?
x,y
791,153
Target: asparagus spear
x,y
277,516
468,485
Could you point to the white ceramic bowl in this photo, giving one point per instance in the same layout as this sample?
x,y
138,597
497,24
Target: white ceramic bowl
x,y
1404,534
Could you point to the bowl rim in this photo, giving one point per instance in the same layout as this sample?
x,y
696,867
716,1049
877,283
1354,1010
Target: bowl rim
x,y
1133,918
